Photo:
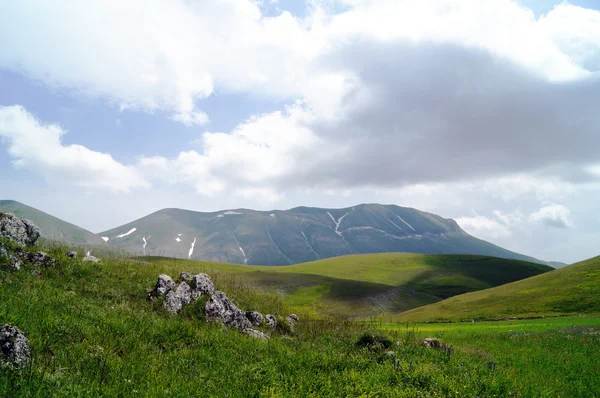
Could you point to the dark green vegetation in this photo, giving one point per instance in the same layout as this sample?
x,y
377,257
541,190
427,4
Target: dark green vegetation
x,y
93,333
51,227
366,285
550,357
298,235
572,289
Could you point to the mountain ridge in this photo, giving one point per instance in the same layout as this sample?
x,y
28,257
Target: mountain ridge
x,y
300,234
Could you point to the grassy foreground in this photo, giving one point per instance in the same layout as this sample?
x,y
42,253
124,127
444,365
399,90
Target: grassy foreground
x,y
371,284
553,357
93,333
572,289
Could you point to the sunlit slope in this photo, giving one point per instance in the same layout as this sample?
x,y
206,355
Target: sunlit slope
x,y
573,289
373,284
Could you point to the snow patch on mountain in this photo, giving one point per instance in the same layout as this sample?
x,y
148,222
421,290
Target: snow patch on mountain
x,y
192,249
231,212
132,230
401,219
105,238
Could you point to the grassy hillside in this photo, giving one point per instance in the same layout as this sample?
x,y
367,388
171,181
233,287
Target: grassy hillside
x,y
371,284
572,289
93,333
52,228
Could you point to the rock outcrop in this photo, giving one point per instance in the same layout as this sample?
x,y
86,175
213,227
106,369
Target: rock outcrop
x,y
22,232
254,317
201,285
71,254
220,309
163,286
292,319
38,259
14,348
271,320
176,299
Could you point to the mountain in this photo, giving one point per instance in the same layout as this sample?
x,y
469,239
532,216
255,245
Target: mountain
x,y
557,264
572,289
52,228
367,285
298,235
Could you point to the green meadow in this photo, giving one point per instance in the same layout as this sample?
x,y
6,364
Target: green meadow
x,y
93,332
548,357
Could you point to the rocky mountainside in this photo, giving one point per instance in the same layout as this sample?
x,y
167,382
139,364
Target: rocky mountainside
x,y
51,228
298,235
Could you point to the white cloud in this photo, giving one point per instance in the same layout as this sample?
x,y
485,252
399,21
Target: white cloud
x,y
160,55
497,225
37,147
555,215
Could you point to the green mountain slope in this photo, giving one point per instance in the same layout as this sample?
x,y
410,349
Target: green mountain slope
x,y
370,284
52,228
572,289
298,235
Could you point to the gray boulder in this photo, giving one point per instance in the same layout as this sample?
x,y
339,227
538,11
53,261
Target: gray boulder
x,y
257,334
163,286
22,232
271,320
38,259
9,261
176,299
186,277
91,259
220,309
71,254
201,285
292,319
254,317
14,348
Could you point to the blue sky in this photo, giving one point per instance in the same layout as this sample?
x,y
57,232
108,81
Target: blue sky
x,y
462,108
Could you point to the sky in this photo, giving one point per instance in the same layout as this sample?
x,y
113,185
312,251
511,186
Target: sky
x,y
484,111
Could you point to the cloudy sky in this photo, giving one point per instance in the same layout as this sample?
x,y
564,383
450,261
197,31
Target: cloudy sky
x,y
485,111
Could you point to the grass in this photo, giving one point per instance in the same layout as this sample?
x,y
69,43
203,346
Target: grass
x,y
371,284
572,289
548,357
93,333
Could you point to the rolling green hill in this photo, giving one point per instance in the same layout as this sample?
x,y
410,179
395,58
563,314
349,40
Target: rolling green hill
x,y
298,235
572,289
370,284
52,228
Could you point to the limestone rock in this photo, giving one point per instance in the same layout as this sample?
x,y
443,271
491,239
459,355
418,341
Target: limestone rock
x,y
201,285
186,277
254,317
22,232
163,286
9,261
14,348
292,319
38,259
176,299
271,320
71,254
220,309
257,334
